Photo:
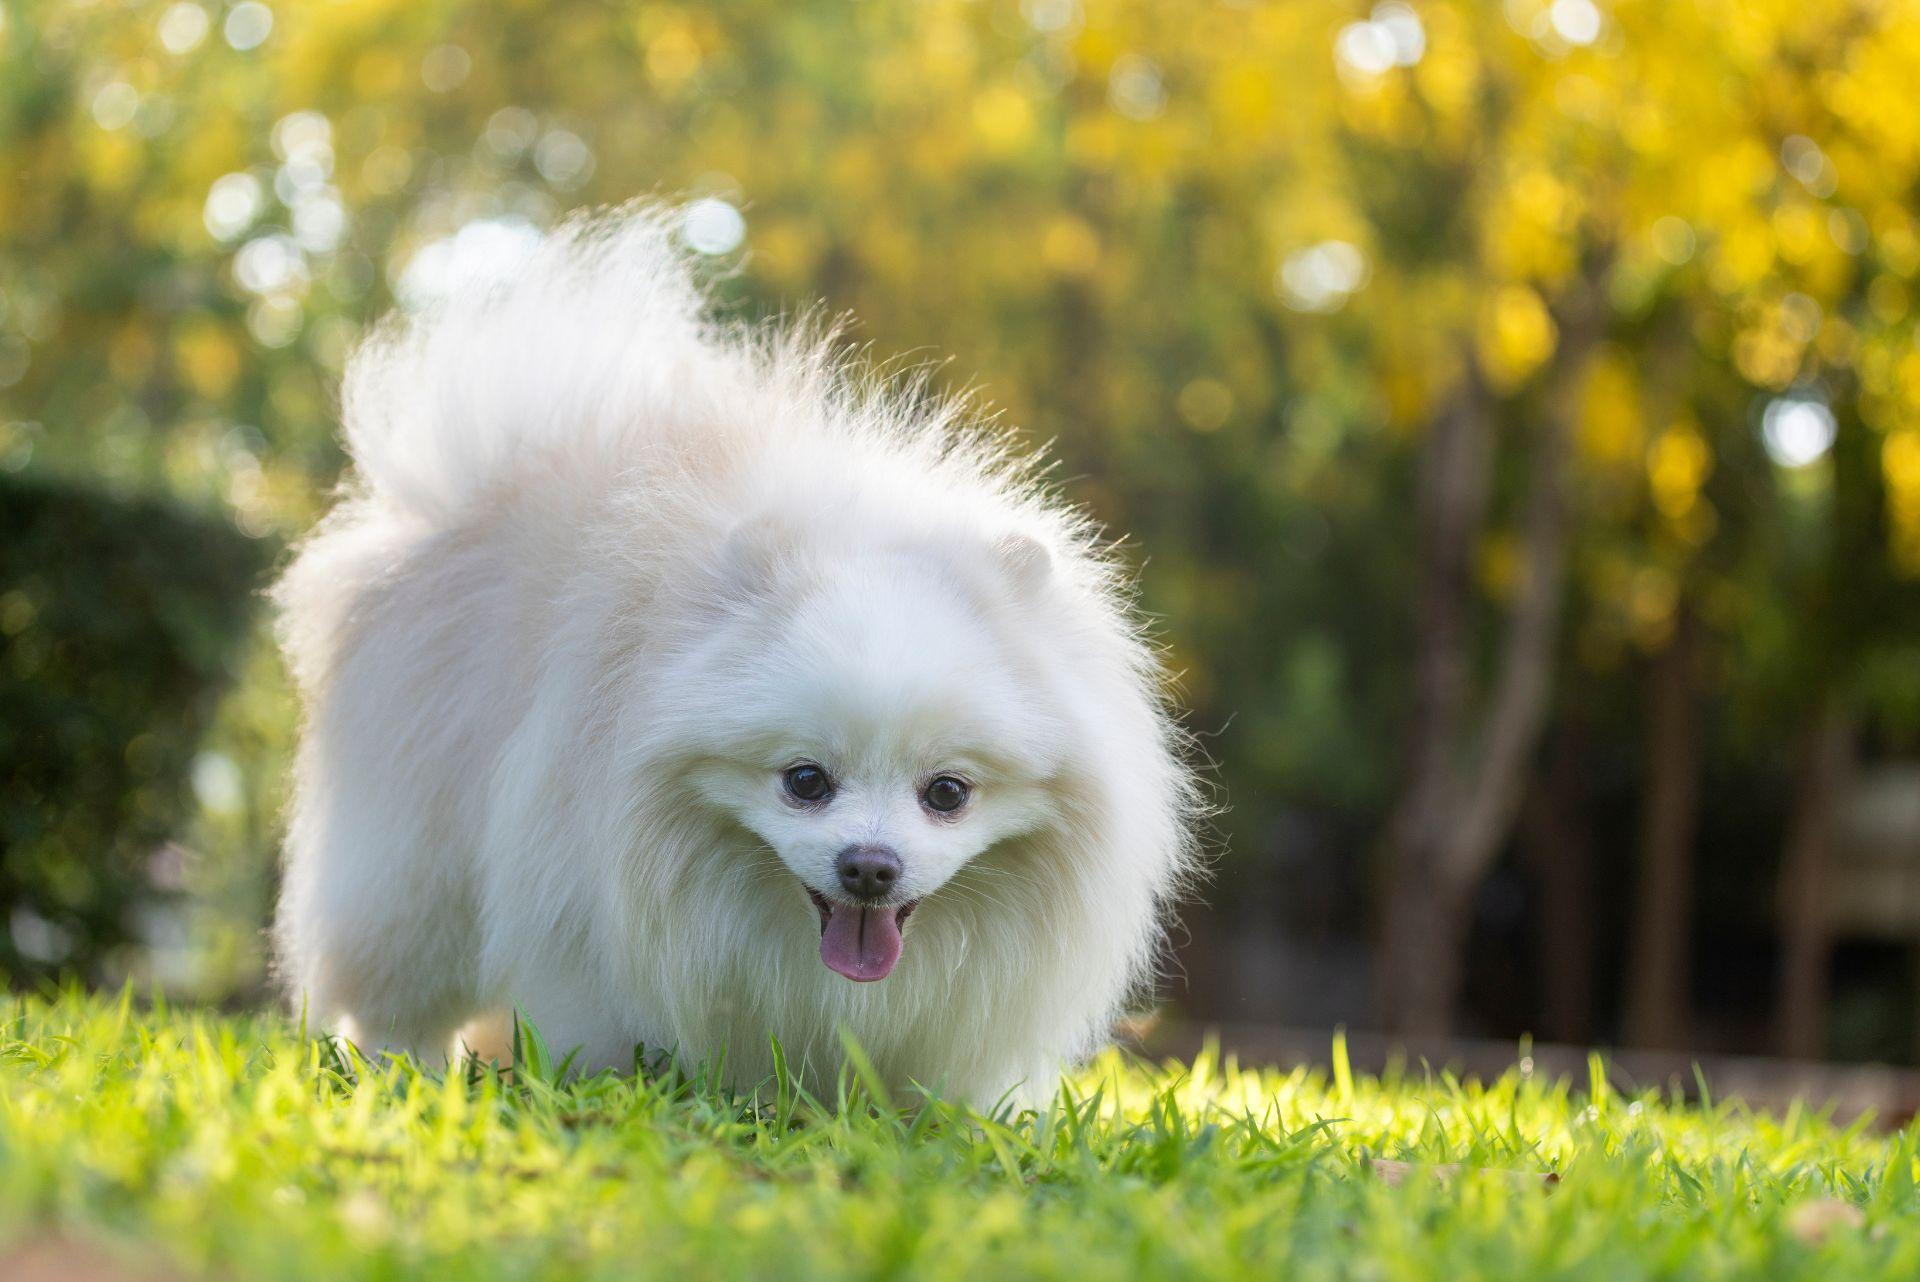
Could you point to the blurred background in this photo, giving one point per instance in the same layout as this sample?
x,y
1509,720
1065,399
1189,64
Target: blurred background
x,y
1516,410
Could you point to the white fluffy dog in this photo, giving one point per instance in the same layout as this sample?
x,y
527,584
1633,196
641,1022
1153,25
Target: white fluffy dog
x,y
679,687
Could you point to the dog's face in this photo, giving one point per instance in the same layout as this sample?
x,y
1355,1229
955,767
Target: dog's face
x,y
879,733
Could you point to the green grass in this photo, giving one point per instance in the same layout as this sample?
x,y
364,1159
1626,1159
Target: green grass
x,y
232,1148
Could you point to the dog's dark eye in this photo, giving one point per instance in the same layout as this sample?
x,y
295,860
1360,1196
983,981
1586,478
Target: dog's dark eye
x,y
946,794
808,783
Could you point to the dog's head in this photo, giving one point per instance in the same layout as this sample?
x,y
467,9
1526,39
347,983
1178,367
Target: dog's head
x,y
879,716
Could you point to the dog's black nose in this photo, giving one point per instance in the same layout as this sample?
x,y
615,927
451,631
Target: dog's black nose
x,y
867,872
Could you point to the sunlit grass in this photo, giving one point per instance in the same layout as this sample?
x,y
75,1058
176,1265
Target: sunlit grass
x,y
231,1147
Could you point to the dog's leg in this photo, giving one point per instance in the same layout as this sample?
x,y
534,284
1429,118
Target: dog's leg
x,y
367,956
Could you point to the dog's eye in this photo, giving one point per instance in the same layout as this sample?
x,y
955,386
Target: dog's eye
x,y
946,794
807,782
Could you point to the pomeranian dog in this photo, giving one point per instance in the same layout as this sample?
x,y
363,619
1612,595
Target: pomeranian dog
x,y
683,687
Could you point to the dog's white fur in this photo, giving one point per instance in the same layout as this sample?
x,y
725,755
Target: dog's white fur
x,y
603,571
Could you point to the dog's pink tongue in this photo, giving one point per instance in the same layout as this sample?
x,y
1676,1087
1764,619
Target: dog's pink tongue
x,y
861,943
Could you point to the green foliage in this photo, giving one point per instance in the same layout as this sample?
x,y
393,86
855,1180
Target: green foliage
x,y
234,1148
118,627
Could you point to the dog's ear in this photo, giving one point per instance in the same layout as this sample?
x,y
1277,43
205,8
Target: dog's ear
x,y
1025,561
754,552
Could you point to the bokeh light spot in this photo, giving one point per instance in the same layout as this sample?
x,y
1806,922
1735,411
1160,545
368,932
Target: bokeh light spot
x,y
1392,36
218,784
1363,48
1320,278
1050,16
1577,22
248,25
233,202
712,226
1134,87
563,159
1205,404
1405,32
182,27
270,264
445,68
274,321
1803,158
319,221
510,132
115,104
301,135
1797,430
1673,240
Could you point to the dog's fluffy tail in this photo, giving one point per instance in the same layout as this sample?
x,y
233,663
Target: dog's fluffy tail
x,y
573,348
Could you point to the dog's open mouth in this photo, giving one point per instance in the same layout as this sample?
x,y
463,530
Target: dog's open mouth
x,y
859,942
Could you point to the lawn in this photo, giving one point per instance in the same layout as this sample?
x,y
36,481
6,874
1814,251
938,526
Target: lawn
x,y
179,1144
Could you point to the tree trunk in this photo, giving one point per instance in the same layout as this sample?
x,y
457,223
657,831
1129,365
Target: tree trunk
x,y
1824,762
1657,1003
1558,840
1424,927
1465,774
1425,952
